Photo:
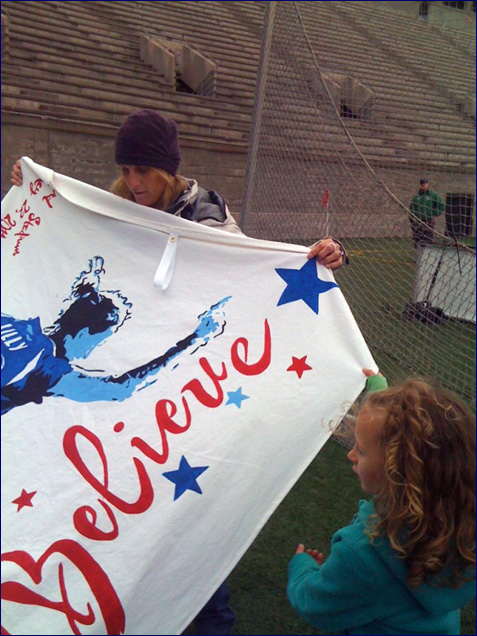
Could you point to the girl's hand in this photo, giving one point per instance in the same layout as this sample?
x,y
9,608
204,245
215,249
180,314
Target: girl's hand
x,y
368,373
317,556
16,176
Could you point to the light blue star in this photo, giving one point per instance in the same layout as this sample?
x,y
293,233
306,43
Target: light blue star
x,y
236,397
303,284
185,477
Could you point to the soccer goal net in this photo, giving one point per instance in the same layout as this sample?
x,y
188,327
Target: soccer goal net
x,y
364,130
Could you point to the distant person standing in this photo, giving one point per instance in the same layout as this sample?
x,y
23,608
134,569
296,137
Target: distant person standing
x,y
426,205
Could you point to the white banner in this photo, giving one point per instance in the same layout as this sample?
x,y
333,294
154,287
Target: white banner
x,y
164,385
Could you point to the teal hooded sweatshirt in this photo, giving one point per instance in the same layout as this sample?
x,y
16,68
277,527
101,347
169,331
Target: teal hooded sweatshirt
x,y
361,588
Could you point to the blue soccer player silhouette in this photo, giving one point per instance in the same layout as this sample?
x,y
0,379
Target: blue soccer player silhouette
x,y
38,363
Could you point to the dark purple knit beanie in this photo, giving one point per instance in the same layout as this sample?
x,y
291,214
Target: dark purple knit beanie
x,y
148,139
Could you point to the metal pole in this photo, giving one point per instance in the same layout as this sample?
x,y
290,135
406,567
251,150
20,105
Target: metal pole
x,y
257,111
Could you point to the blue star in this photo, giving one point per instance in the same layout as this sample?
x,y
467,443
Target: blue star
x,y
185,478
303,284
236,397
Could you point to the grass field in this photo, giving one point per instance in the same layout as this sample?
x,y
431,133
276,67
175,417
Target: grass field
x,y
377,285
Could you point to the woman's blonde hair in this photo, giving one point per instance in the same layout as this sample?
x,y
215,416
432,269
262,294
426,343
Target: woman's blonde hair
x,y
173,187
426,506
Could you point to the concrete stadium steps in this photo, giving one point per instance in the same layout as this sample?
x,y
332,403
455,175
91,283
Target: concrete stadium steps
x,y
51,75
212,19
80,109
386,91
88,102
120,42
342,49
102,47
94,74
463,41
423,51
395,122
86,71
378,145
105,80
388,36
404,102
428,33
191,23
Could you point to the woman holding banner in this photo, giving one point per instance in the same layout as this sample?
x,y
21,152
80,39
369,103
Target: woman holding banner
x,y
147,151
148,154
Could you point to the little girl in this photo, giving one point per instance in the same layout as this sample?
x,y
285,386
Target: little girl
x,y
406,563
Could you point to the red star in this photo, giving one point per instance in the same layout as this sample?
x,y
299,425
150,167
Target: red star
x,y
24,499
299,365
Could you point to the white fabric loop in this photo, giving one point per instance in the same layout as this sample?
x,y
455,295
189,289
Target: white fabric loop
x,y
165,269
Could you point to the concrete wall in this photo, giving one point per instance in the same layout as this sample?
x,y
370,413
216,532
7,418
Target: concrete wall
x,y
358,206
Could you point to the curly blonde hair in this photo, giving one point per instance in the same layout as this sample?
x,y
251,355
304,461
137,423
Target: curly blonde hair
x,y
173,187
426,505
